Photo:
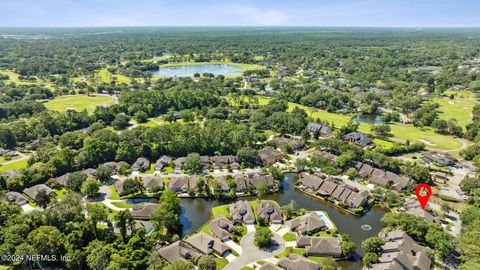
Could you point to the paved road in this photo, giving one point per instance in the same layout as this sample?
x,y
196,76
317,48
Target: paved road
x,y
251,254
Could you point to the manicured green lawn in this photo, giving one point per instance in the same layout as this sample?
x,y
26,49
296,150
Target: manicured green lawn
x,y
221,263
60,193
221,210
290,236
115,195
17,165
122,205
401,132
151,170
459,108
246,268
78,103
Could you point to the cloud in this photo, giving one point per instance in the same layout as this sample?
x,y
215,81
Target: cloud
x,y
259,16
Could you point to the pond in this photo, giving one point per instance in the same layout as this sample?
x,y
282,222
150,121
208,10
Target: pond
x,y
189,70
196,212
369,119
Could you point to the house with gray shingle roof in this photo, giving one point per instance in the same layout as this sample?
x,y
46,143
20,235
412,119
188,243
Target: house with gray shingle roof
x,y
240,184
270,212
241,212
310,181
401,252
163,161
141,164
179,184
308,223
152,182
319,129
221,228
207,245
177,251
32,192
143,211
297,262
15,197
358,138
320,246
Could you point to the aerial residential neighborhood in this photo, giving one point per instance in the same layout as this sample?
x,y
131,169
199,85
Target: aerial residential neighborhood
x,y
240,135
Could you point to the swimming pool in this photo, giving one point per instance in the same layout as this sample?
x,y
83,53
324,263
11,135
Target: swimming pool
x,y
325,219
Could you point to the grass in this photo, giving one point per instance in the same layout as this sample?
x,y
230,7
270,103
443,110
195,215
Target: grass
x,y
60,193
246,268
221,263
401,132
78,103
114,195
221,210
122,205
459,108
3,159
17,165
290,236
150,170
169,169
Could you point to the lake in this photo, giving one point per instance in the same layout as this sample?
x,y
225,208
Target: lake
x,y
369,119
189,70
196,212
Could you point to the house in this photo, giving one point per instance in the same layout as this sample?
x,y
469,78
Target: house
x,y
15,197
206,162
254,179
327,187
450,194
358,138
357,199
141,164
163,161
297,262
311,182
177,251
113,165
268,266
119,186
90,172
240,184
179,162
442,159
221,228
58,181
319,130
364,170
32,192
412,207
401,252
439,177
222,183
241,212
269,156
143,211
179,184
378,178
207,245
320,246
397,182
153,183
223,162
11,174
294,144
270,212
326,155
308,223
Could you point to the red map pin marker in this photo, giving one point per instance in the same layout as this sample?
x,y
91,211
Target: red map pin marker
x,y
423,192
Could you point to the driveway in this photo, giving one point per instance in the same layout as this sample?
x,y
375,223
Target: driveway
x,y
251,253
234,246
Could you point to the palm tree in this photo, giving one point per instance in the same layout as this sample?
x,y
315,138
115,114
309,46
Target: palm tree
x,y
122,220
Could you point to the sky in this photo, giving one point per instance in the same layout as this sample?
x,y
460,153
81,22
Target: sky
x,y
376,13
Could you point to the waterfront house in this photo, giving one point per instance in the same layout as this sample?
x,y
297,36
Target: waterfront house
x,y
152,183
179,184
308,223
207,245
270,212
221,228
241,212
240,184
320,246
311,182
357,199
254,179
143,211
327,188
222,183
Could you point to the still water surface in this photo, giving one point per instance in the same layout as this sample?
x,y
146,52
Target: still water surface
x,y
189,70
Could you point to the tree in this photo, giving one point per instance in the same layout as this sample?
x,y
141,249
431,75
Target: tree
x,y
381,130
47,240
470,183
7,139
373,245
75,180
104,173
369,258
193,163
121,121
262,190
207,263
90,187
132,186
351,173
181,265
167,214
141,117
42,199
348,247
96,213
248,157
123,220
263,237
